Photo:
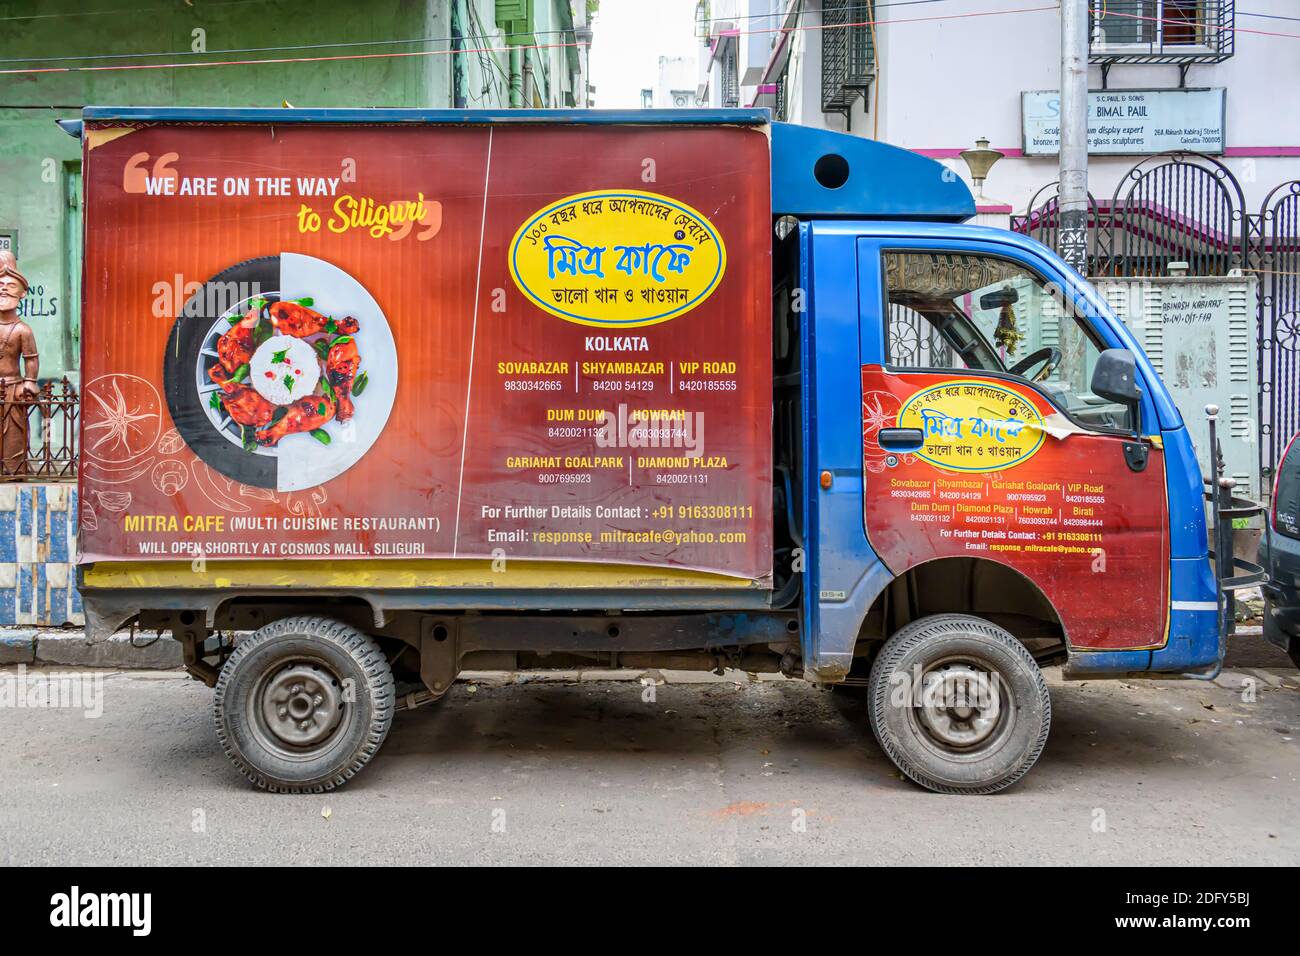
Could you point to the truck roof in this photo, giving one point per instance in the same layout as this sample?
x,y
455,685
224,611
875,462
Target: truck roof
x,y
816,173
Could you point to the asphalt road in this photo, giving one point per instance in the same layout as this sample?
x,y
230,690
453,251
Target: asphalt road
x,y
1143,772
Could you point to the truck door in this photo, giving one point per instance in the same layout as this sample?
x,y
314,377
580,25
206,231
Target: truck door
x,y
981,438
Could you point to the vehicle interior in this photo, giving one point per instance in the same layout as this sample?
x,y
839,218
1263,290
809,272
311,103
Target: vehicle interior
x,y
992,315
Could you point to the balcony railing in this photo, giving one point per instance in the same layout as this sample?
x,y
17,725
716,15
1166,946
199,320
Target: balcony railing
x,y
730,78
847,53
38,437
1161,31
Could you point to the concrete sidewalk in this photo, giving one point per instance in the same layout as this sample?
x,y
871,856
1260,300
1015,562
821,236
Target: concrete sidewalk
x,y
68,646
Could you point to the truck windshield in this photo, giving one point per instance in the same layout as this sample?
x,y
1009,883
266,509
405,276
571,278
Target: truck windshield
x,y
985,313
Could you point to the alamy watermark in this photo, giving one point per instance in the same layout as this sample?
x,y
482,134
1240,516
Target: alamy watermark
x,y
68,690
652,428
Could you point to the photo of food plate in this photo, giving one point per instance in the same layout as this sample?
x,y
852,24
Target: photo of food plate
x,y
281,372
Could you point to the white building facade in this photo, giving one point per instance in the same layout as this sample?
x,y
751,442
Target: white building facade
x,y
935,77
1193,170
675,84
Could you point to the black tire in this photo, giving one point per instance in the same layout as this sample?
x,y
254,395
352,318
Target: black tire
x,y
959,749
282,707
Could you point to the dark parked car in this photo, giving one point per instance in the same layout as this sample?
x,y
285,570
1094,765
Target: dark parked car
x,y
1279,553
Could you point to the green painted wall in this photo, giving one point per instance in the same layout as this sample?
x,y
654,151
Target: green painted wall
x,y
138,27
39,163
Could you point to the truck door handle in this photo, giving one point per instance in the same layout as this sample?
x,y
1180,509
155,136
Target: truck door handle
x,y
901,439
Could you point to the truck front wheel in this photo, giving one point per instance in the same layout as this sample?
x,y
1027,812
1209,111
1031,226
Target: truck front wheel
x,y
958,704
303,704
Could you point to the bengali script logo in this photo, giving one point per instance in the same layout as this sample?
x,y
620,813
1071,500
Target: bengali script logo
x,y
970,425
617,258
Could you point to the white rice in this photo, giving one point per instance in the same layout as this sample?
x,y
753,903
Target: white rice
x,y
301,365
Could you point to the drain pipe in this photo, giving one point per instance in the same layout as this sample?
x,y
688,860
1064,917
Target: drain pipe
x,y
516,77
527,82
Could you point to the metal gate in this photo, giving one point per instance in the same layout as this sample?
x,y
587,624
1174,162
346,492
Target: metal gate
x,y
1277,262
1188,207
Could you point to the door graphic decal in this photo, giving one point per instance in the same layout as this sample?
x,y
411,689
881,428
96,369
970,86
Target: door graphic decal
x,y
999,474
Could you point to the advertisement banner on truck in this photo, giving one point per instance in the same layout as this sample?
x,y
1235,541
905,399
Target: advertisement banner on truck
x,y
1000,475
346,342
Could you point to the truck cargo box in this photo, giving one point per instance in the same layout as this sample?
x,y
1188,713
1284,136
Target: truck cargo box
x,y
428,340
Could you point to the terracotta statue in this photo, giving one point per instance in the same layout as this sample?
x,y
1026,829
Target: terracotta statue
x,y
19,367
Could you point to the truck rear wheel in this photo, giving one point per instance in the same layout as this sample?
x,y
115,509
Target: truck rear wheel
x,y
303,704
959,705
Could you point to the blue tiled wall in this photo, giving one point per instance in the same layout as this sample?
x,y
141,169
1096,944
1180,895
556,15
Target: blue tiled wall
x,y
38,544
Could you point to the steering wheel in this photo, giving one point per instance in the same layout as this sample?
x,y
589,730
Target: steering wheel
x,y
1050,356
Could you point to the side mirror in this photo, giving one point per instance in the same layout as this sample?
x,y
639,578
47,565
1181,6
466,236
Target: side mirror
x,y
1115,379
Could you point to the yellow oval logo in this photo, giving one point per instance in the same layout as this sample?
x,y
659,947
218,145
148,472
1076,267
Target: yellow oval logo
x,y
617,258
969,425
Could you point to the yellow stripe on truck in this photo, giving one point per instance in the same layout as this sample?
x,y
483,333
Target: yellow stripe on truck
x,y
384,574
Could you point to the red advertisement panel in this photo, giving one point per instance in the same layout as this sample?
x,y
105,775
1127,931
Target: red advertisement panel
x,y
1002,476
354,342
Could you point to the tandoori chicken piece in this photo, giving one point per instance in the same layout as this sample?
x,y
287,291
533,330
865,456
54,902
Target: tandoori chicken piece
x,y
246,406
341,367
234,348
304,415
290,318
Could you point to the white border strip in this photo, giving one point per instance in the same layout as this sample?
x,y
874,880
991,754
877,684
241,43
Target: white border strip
x,y
473,335
1194,605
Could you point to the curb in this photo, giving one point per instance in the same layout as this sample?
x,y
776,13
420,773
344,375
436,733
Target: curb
x,y
18,647
69,648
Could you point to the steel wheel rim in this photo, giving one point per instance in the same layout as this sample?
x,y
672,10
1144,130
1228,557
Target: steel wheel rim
x,y
297,708
964,710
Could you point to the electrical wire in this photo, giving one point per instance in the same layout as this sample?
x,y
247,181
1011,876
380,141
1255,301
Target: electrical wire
x,y
475,32
766,16
110,13
487,50
1267,16
488,64
884,23
280,60
555,46
253,49
990,13
910,3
